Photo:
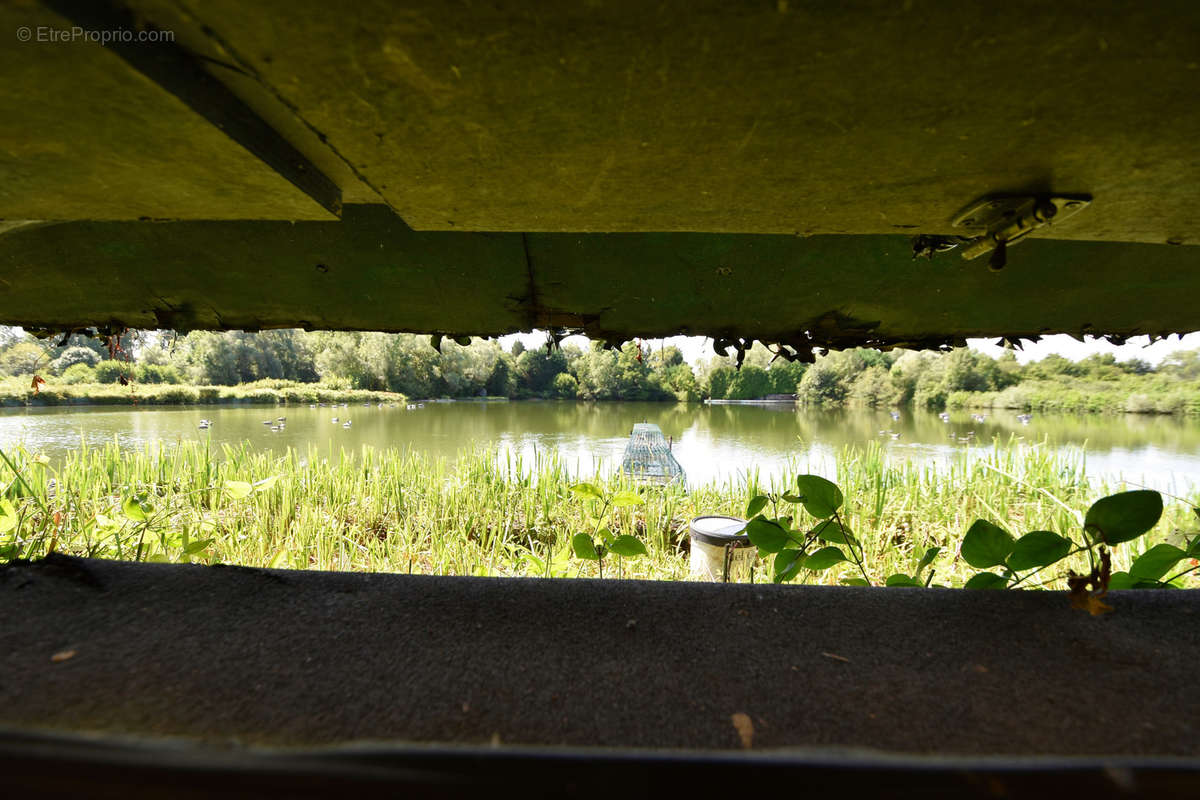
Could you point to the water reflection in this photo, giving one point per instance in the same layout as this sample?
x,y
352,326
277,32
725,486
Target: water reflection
x,y
714,443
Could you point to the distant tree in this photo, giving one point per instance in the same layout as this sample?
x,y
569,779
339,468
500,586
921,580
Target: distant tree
x,y
1101,366
55,346
910,368
23,358
518,347
828,380
564,387
719,380
597,374
821,385
875,358
785,376
501,382
749,383
74,355
535,370
965,370
874,388
1136,366
1182,364
466,370
680,381
665,358
1050,367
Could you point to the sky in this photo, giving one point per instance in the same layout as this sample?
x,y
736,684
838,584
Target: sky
x,y
697,348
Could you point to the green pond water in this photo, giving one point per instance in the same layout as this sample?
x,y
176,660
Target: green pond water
x,y
712,443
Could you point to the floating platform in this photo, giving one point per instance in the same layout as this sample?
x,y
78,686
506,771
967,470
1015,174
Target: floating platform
x,y
648,456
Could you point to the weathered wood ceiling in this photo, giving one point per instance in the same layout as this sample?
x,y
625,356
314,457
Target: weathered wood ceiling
x,y
617,167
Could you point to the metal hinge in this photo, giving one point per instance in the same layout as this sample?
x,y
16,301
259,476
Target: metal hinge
x,y
1005,220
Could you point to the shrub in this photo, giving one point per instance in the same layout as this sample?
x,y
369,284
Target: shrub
x,y
1139,404
156,373
109,371
1018,397
79,373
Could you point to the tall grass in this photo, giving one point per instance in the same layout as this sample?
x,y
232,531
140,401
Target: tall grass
x,y
396,511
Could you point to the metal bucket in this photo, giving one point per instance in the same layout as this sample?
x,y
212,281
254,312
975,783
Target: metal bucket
x,y
721,551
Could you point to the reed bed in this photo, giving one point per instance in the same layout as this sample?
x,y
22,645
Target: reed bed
x,y
397,511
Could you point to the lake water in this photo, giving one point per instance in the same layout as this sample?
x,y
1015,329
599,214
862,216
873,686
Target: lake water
x,y
713,443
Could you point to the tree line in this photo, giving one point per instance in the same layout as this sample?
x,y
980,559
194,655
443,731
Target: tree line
x,y
412,365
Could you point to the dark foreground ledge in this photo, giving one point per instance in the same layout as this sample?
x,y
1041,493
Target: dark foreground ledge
x,y
512,671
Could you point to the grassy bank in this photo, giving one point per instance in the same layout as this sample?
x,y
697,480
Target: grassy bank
x,y
17,392
1147,395
395,512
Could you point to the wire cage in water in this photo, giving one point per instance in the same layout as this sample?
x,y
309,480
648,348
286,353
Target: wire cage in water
x,y
648,456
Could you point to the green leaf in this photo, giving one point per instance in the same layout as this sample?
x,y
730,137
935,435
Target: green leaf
x,y
588,491
926,560
821,497
1155,562
584,547
280,559
7,523
1193,550
133,509
196,547
266,483
901,580
628,546
605,535
792,498
624,499
824,558
1038,549
158,558
1121,517
854,582
787,564
756,506
766,535
238,489
829,531
1154,585
1120,580
986,545
986,580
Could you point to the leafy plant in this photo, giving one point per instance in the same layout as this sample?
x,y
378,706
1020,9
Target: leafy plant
x,y
1110,521
602,541
794,549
